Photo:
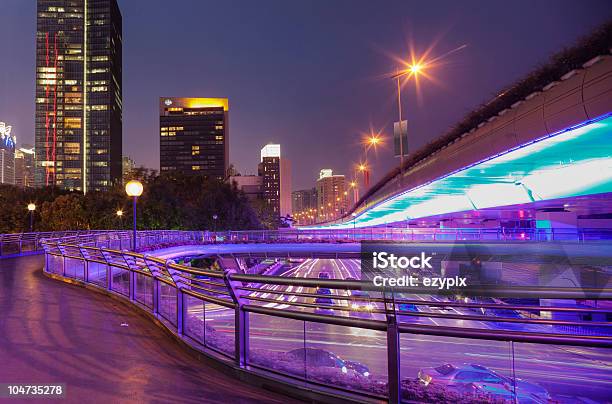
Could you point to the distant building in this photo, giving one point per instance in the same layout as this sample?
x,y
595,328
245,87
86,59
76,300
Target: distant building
x,y
276,179
7,155
332,196
24,166
194,136
78,124
304,205
251,185
127,168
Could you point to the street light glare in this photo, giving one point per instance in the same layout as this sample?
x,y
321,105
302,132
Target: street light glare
x,y
416,68
119,213
133,188
31,207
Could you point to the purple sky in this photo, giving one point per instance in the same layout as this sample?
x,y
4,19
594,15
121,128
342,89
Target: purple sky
x,y
306,74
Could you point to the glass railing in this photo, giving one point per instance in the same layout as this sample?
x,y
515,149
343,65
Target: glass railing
x,y
328,334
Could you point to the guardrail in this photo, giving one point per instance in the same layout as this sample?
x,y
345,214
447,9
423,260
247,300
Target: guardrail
x,y
31,243
288,327
417,234
27,243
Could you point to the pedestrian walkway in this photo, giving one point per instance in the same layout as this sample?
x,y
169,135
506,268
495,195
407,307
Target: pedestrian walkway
x,y
102,350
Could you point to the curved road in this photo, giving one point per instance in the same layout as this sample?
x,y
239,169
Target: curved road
x,y
51,332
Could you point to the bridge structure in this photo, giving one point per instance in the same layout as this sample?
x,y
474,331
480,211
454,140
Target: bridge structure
x,y
544,160
297,334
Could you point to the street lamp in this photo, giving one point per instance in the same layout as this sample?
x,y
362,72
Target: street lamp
x,y
134,190
31,209
120,216
412,71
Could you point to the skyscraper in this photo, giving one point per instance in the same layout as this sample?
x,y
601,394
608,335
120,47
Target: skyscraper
x,y
78,94
127,168
304,205
194,136
332,196
24,166
276,179
7,155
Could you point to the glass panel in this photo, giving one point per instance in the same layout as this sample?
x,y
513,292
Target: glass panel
x,y
444,369
194,318
220,328
563,374
144,290
121,281
277,344
97,273
167,302
55,263
75,268
346,357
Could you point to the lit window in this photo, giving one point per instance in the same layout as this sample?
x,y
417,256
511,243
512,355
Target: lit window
x,y
72,123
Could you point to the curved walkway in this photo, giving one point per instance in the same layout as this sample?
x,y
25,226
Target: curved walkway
x,y
51,332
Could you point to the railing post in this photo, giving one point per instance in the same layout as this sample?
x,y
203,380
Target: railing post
x,y
180,284
241,320
393,360
109,270
85,256
131,263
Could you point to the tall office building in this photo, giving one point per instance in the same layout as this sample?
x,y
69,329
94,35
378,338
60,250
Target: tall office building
x,y
78,94
304,205
7,154
276,179
194,136
24,166
332,196
127,168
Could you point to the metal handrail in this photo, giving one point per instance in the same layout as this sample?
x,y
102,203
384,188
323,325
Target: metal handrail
x,y
183,279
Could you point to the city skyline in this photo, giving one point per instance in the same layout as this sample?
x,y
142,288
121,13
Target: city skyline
x,y
262,86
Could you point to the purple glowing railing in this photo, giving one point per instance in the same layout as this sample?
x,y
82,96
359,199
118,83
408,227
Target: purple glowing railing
x,y
249,323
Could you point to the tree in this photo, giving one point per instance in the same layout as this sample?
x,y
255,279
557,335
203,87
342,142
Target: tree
x,y
66,212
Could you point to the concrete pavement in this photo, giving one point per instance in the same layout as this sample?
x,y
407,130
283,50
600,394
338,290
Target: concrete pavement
x,y
104,351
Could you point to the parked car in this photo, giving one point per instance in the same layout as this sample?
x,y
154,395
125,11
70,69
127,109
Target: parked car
x,y
465,378
316,357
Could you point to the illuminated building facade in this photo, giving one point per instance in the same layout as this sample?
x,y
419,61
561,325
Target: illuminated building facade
x,y
24,166
78,94
194,136
127,168
7,155
332,196
304,205
276,180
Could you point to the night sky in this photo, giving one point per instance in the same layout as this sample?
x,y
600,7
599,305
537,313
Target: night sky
x,y
306,74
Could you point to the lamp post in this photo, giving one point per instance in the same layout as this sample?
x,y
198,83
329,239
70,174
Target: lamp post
x,y
134,190
412,70
31,209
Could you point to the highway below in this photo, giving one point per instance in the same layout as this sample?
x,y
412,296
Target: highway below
x,y
570,374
